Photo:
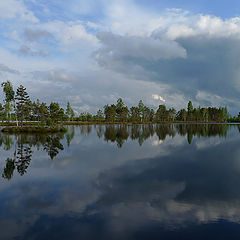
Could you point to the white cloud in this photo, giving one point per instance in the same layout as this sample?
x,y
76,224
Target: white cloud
x,y
16,9
206,26
70,35
158,97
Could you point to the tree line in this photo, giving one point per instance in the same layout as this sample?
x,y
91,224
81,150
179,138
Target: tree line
x,y
18,107
119,112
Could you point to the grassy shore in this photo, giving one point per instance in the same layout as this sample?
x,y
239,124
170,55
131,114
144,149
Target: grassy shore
x,y
34,129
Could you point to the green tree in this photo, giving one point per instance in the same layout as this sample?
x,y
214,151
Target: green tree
x,y
44,113
100,115
161,113
141,109
190,111
36,110
9,97
182,115
1,111
190,107
72,115
22,103
226,114
69,112
110,112
121,111
134,114
54,111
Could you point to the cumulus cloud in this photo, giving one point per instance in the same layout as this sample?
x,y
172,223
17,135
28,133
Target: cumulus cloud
x,y
158,97
201,25
70,35
16,9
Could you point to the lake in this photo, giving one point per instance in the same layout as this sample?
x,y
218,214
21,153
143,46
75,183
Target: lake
x,y
179,181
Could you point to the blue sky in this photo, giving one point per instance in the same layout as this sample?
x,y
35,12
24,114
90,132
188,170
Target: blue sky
x,y
221,8
93,10
91,52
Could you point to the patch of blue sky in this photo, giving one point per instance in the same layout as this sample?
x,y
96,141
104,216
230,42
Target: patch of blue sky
x,y
220,8
71,10
8,44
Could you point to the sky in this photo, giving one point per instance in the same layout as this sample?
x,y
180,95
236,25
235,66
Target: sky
x,y
92,52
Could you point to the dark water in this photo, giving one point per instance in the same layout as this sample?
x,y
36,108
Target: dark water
x,y
122,182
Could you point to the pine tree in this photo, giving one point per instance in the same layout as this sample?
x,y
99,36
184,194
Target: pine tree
x,y
68,111
54,111
190,107
22,103
141,109
9,97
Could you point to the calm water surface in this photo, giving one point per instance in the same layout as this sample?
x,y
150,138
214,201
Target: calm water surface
x,y
122,182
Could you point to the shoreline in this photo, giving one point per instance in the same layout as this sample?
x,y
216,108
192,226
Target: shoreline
x,y
41,125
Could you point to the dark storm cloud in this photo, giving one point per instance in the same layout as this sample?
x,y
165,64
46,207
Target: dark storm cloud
x,y
212,65
196,65
139,47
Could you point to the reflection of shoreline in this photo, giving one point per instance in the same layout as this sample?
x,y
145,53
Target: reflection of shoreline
x,y
21,158
117,133
121,133
187,187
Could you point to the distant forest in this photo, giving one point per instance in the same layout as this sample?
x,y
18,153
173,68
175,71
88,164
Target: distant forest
x,y
18,106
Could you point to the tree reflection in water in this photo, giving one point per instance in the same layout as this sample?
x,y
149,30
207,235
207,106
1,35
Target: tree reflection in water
x,y
9,169
52,146
70,135
23,150
121,133
116,133
24,154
